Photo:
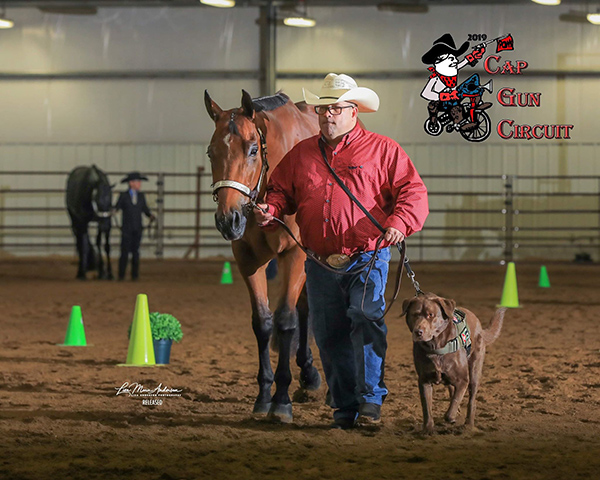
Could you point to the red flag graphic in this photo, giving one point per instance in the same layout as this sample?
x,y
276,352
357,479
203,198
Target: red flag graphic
x,y
506,43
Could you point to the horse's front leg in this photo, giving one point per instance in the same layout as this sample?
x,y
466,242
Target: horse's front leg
x,y
262,325
286,320
83,244
101,274
109,273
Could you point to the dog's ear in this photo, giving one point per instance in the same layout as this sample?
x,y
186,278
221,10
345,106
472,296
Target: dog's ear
x,y
405,304
447,306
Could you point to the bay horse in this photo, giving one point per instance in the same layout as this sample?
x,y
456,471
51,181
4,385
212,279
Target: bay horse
x,y
89,199
238,156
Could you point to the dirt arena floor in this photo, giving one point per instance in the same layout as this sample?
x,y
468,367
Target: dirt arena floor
x,y
60,417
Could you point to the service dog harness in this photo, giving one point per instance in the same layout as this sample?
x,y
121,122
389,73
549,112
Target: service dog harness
x,y
462,339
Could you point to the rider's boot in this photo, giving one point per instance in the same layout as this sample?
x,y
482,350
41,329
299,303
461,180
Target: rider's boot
x,y
481,105
432,108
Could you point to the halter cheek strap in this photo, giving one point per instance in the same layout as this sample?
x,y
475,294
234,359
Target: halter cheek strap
x,y
240,187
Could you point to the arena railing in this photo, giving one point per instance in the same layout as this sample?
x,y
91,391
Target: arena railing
x,y
500,216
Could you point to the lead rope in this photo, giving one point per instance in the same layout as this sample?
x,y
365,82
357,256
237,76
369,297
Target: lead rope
x,y
404,261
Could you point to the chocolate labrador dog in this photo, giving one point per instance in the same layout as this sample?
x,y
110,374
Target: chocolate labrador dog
x,y
449,347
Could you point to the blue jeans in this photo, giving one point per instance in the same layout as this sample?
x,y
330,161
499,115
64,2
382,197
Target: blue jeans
x,y
352,347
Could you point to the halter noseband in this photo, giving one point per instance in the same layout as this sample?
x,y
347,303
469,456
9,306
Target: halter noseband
x,y
240,187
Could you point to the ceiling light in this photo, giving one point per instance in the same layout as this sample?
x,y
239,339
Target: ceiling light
x,y
547,2
299,17
219,3
593,18
6,23
299,21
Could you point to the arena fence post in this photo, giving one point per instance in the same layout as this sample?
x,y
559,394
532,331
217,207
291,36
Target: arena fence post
x,y
160,215
508,212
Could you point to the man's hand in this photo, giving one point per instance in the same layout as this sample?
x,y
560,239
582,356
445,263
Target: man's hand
x,y
262,215
393,236
478,51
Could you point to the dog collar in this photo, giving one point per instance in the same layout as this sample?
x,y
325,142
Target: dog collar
x,y
462,339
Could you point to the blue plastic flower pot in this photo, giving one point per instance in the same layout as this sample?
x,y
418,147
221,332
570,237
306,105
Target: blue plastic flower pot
x,y
162,350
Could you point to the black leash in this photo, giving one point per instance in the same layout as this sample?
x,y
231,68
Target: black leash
x,y
401,246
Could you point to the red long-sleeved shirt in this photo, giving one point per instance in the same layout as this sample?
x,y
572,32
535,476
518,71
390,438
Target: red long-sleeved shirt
x,y
375,169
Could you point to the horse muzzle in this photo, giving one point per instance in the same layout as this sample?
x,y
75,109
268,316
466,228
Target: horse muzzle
x,y
232,224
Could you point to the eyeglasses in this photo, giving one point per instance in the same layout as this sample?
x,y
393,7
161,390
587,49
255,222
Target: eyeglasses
x,y
333,109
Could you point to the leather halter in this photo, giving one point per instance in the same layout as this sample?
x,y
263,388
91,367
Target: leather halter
x,y
98,213
240,187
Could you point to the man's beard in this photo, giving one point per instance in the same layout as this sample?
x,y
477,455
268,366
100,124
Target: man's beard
x,y
329,129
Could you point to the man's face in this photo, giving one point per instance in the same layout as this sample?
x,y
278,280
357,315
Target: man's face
x,y
334,126
446,65
135,185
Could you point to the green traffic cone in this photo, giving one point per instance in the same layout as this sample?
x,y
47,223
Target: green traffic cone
x,y
226,278
75,336
544,281
510,296
141,347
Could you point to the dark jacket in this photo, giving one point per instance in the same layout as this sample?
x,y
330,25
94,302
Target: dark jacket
x,y
132,214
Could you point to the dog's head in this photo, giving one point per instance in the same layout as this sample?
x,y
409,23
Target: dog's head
x,y
427,315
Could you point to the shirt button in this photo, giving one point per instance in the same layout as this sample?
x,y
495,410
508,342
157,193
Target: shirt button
x,y
335,153
330,184
326,219
326,201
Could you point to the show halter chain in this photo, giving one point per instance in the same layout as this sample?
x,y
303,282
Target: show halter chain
x,y
401,246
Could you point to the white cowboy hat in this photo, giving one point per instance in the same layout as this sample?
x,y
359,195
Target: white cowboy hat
x,y
342,88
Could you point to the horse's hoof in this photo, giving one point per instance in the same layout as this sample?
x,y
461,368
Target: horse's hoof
x,y
281,413
261,408
310,380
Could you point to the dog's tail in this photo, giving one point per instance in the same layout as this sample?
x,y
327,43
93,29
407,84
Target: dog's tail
x,y
491,334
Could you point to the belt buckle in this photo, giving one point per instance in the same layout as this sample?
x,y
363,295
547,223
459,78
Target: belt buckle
x,y
338,260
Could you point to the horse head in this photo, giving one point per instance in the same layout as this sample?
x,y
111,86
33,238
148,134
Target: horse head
x,y
236,153
102,200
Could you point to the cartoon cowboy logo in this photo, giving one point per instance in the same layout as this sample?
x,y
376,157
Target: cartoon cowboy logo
x,y
443,91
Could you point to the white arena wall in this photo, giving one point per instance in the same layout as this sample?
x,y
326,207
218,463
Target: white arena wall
x,y
153,118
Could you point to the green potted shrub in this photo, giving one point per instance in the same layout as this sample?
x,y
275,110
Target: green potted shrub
x,y
165,330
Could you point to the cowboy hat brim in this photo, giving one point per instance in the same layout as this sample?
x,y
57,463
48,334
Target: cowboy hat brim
x,y
365,98
132,178
441,48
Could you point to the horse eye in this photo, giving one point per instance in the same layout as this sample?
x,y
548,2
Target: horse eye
x,y
253,151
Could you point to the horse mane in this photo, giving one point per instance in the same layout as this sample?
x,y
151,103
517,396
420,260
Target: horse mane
x,y
271,102
262,104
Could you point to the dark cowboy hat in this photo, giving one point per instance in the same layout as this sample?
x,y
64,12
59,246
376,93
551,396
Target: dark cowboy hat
x,y
444,44
133,176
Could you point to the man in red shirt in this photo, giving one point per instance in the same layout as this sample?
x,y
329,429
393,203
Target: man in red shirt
x,y
382,177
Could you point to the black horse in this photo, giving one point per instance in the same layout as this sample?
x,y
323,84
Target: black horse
x,y
89,199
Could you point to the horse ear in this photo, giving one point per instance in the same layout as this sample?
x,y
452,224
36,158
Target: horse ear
x,y
211,107
247,105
